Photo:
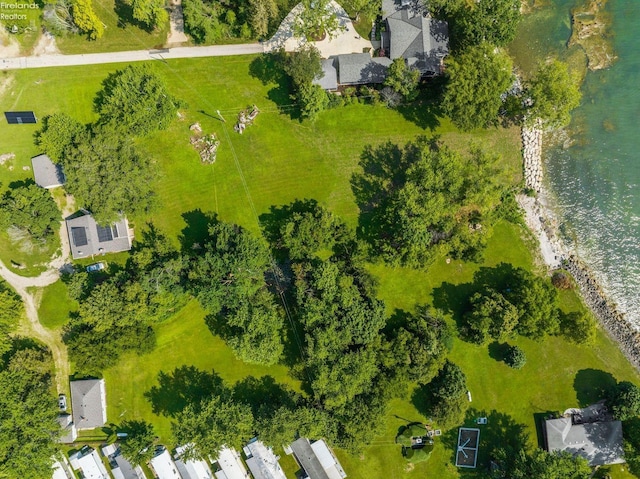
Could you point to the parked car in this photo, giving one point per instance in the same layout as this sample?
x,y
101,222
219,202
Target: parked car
x,y
92,268
62,402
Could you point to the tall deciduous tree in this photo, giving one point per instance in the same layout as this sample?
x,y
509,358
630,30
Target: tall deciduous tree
x,y
491,21
32,209
138,446
304,65
403,79
58,135
150,12
553,94
107,175
541,465
316,19
491,317
214,422
624,401
10,312
86,19
447,391
135,101
261,13
369,8
477,78
28,416
537,302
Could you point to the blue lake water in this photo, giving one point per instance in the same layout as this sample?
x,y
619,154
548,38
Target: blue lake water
x,y
595,182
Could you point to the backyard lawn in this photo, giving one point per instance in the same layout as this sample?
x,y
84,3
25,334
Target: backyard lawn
x,y
276,161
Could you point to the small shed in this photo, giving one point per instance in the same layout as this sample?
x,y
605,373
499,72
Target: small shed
x,y
46,173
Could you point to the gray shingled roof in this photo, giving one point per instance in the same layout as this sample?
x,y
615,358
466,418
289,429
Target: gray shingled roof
x,y
307,459
88,402
329,80
415,36
69,433
360,68
87,238
599,443
46,173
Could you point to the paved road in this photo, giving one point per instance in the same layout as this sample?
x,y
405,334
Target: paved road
x,y
44,61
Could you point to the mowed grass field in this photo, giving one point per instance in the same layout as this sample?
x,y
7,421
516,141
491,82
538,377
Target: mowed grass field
x,y
276,161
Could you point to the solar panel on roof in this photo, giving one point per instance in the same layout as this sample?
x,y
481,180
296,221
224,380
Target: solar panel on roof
x,y
104,234
79,236
20,117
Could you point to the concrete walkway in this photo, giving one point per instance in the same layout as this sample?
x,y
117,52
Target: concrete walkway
x,y
345,40
176,22
45,61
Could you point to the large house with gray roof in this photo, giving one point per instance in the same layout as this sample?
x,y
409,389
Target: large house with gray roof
x,y
87,238
89,403
589,432
410,33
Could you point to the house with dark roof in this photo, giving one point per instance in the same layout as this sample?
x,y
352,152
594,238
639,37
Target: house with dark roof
x,y
87,238
89,403
414,35
121,468
316,460
46,173
352,69
596,437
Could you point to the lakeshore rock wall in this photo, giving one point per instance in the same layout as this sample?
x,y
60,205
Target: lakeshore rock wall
x,y
612,320
532,154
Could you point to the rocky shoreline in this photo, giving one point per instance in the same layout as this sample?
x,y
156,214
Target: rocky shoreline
x,y
532,154
542,223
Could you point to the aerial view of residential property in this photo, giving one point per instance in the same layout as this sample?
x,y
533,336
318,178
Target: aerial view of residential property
x,y
319,239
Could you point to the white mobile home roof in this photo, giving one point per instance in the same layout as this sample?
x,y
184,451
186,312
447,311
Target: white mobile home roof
x,y
231,465
164,466
92,466
262,462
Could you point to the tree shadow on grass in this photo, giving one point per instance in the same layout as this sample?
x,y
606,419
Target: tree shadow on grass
x,y
423,112
269,69
591,385
264,395
196,232
124,11
498,351
183,386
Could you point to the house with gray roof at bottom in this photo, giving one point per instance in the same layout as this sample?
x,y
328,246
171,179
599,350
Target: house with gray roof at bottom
x,y
87,238
89,403
89,463
262,462
191,468
597,438
412,34
316,460
46,173
121,468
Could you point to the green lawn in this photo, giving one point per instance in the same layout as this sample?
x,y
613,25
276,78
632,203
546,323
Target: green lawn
x,y
276,161
121,32
55,306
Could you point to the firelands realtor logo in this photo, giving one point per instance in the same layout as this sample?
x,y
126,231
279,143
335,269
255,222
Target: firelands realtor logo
x,y
12,11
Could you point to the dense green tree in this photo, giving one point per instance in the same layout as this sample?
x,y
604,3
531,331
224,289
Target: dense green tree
x,y
58,135
28,415
214,422
304,65
491,21
228,278
368,8
312,100
477,78
491,317
316,19
624,401
288,424
427,200
578,327
136,101
537,302
139,445
10,311
403,79
202,20
553,94
515,357
107,175
32,209
86,20
262,13
541,465
447,395
150,12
